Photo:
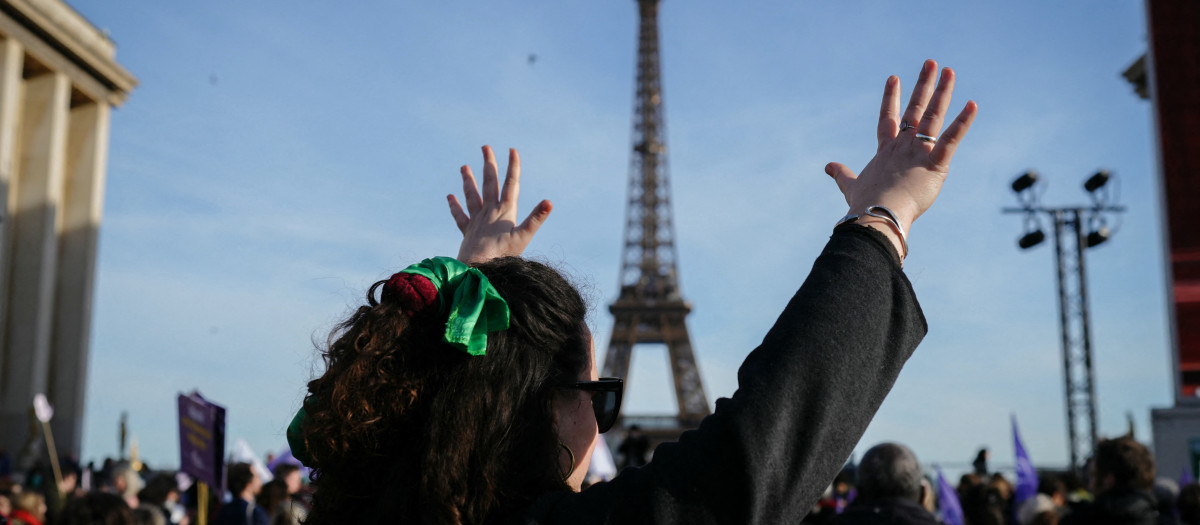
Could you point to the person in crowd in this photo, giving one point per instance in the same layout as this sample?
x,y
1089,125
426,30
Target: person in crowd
x,y
290,475
634,448
966,481
1048,517
126,482
982,503
980,464
6,465
835,500
1031,510
1006,494
1188,504
891,489
29,508
292,507
466,391
6,506
1122,479
1166,491
1053,487
243,482
273,497
68,488
97,508
149,515
161,494
1077,492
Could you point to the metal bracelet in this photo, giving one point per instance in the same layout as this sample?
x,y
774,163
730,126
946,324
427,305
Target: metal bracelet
x,y
890,216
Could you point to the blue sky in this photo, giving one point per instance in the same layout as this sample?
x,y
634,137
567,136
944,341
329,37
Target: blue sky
x,y
277,158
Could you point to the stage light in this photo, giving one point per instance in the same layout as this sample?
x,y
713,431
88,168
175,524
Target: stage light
x,y
1098,236
1025,181
1096,181
1031,239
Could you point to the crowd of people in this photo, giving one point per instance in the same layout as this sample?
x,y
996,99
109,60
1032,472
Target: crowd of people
x,y
128,493
889,486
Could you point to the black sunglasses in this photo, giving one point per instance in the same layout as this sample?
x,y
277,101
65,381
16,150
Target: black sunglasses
x,y
606,399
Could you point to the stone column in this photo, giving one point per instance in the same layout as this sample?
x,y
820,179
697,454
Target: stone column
x,y
38,195
82,206
12,59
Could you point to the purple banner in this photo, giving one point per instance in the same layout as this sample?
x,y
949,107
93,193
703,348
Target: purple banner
x,y
952,513
202,440
1027,478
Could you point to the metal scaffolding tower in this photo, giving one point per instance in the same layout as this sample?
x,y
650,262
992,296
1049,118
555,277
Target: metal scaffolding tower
x,y
650,308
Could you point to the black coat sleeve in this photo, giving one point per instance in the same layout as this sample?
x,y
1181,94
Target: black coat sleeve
x,y
804,398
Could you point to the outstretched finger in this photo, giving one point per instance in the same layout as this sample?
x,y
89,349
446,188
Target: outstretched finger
x,y
512,179
491,177
921,92
471,190
843,176
931,121
535,219
948,142
889,111
456,211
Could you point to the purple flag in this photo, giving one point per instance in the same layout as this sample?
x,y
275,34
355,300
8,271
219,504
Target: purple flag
x,y
1185,477
1027,478
202,440
952,513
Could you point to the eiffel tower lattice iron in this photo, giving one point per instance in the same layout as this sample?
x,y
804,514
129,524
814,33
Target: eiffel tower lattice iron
x,y
650,309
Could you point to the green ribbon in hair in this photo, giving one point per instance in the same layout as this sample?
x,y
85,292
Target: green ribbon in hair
x,y
473,307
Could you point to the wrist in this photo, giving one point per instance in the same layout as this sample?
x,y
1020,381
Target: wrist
x,y
902,210
884,220
888,231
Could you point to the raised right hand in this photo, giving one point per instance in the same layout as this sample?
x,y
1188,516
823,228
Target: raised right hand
x,y
491,230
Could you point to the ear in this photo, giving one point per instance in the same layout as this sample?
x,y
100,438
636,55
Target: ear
x,y
926,499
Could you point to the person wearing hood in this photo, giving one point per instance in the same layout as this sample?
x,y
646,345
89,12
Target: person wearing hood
x,y
1122,481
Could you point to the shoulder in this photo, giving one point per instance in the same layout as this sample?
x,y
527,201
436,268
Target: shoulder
x,y
260,516
892,510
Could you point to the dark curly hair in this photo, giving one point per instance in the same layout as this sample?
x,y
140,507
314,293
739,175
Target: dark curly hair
x,y
1129,462
404,428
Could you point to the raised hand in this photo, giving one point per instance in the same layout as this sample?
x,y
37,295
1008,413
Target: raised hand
x,y
912,163
489,223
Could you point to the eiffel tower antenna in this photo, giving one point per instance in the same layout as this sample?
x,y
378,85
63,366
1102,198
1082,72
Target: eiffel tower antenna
x,y
650,308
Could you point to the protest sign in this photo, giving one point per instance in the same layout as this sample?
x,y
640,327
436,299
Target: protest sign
x,y
202,440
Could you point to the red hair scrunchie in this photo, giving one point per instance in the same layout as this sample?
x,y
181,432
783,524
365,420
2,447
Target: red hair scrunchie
x,y
411,291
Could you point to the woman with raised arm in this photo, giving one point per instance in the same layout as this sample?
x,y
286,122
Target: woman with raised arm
x,y
466,393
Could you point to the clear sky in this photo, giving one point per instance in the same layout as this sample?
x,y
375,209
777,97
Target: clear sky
x,y
279,157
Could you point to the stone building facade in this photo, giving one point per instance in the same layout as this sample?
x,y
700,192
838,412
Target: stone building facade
x,y
59,81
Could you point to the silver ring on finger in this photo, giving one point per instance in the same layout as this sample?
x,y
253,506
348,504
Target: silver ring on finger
x,y
926,138
905,126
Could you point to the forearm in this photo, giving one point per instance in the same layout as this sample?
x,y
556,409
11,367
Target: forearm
x,y
805,396
830,360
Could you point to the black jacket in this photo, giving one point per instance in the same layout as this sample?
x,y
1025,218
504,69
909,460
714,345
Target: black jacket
x,y
1117,507
889,511
804,398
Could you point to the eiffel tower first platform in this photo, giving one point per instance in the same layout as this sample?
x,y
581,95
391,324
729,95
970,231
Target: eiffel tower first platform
x,y
650,308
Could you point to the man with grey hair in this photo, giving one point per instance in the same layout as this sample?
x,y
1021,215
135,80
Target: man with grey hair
x,y
126,483
891,489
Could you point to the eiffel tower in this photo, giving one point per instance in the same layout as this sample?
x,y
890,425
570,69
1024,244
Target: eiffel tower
x,y
650,309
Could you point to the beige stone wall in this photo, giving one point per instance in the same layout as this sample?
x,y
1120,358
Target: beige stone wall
x,y
58,82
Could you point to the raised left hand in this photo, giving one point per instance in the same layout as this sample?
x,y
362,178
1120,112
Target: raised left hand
x,y
911,164
489,223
